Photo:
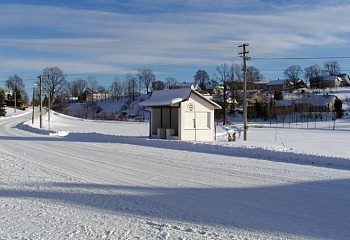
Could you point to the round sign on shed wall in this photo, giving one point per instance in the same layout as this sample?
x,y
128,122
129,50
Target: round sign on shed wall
x,y
190,107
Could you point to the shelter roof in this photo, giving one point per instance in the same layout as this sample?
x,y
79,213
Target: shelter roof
x,y
172,97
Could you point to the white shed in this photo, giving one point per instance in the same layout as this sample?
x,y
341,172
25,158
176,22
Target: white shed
x,y
181,114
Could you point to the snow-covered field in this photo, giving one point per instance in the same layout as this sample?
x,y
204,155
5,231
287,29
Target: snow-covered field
x,y
80,179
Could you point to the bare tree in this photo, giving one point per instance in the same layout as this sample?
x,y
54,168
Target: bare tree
x,y
146,77
131,85
54,82
15,83
237,73
202,79
253,74
224,76
313,71
158,85
71,90
103,90
292,73
76,88
92,85
332,67
117,88
80,86
170,82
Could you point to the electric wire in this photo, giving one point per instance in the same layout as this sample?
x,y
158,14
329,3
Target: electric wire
x,y
150,44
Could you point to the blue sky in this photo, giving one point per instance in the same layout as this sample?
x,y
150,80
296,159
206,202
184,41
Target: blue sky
x,y
108,38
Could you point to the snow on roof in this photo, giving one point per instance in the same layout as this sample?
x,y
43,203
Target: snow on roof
x,y
276,82
166,97
331,78
317,100
252,93
206,98
343,76
262,81
172,97
284,103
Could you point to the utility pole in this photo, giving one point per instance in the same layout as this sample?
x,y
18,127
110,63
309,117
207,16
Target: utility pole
x,y
243,54
48,114
15,97
41,101
33,107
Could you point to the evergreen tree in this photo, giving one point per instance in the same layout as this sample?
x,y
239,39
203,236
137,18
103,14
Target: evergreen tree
x,y
278,95
2,104
338,105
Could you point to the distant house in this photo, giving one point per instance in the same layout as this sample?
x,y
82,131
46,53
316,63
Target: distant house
x,y
300,84
210,87
332,81
95,96
218,97
279,85
232,103
218,90
317,103
102,94
89,95
261,84
327,82
284,107
345,78
254,97
181,114
7,91
239,85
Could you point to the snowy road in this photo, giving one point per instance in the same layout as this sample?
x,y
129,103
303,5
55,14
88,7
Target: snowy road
x,y
82,187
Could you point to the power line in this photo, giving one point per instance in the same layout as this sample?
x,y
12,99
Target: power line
x,y
298,58
78,46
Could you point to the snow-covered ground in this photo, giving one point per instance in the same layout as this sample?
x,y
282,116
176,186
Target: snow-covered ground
x,y
81,179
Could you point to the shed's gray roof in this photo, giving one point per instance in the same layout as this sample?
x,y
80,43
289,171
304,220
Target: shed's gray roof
x,y
166,97
172,97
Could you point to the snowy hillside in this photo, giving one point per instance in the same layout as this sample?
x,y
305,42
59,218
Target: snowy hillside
x,y
82,179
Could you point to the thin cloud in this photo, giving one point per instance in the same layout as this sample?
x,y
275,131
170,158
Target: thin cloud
x,y
102,40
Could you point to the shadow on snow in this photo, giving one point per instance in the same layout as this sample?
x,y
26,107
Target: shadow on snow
x,y
282,155
312,209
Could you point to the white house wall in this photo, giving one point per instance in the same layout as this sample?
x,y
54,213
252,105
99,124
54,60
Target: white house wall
x,y
202,114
